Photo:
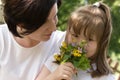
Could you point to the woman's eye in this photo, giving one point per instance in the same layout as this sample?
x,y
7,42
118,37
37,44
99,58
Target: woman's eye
x,y
55,17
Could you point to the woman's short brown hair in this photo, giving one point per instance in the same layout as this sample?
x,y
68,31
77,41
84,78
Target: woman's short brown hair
x,y
30,13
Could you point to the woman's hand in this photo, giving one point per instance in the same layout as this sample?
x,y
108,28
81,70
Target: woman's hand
x,y
64,71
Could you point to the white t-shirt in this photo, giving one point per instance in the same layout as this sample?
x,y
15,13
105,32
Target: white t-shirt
x,y
19,63
81,75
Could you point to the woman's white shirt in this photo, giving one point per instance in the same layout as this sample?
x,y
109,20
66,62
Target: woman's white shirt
x,y
19,63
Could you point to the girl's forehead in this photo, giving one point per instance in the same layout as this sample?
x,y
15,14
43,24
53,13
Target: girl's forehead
x,y
86,33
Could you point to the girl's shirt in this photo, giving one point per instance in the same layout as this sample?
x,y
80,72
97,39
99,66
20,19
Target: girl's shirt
x,y
19,63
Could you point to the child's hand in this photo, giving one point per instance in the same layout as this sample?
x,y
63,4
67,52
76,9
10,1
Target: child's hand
x,y
64,71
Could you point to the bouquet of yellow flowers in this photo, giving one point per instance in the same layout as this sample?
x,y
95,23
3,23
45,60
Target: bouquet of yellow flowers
x,y
74,53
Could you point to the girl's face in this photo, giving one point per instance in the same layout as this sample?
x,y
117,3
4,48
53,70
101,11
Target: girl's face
x,y
91,45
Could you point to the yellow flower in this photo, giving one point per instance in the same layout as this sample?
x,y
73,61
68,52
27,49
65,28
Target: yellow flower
x,y
76,53
64,45
83,41
57,57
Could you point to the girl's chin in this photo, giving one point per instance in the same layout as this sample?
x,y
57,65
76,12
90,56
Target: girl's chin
x,y
88,56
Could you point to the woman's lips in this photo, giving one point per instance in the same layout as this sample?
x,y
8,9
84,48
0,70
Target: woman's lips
x,y
48,34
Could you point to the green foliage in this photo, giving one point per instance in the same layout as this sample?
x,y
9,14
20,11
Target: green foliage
x,y
66,8
69,5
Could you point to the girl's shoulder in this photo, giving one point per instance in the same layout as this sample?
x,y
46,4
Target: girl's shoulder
x,y
106,77
85,75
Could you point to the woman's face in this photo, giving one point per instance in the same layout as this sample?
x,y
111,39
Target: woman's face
x,y
91,45
45,31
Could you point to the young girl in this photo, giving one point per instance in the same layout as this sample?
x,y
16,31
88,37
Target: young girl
x,y
93,24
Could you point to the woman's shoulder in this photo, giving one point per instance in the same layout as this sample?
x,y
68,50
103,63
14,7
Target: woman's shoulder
x,y
3,35
3,28
4,31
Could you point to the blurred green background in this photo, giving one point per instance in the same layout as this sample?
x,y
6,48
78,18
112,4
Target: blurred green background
x,y
69,5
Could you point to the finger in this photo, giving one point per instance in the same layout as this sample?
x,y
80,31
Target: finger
x,y
68,70
69,74
69,64
66,77
66,67
75,71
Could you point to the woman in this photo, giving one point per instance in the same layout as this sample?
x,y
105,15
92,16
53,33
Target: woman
x,y
24,38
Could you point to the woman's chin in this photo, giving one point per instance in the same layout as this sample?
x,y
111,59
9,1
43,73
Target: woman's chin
x,y
46,38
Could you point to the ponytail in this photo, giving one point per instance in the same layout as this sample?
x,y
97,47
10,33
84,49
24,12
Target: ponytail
x,y
101,58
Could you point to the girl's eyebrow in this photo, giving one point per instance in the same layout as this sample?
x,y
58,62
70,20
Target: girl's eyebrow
x,y
92,36
71,32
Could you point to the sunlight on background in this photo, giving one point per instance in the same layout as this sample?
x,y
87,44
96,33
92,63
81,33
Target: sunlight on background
x,y
1,13
117,2
119,41
66,8
115,58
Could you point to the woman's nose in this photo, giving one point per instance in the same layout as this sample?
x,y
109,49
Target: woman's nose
x,y
53,27
54,23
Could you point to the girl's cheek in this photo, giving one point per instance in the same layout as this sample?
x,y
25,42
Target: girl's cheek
x,y
89,55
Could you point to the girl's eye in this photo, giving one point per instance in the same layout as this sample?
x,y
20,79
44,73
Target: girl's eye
x,y
75,35
90,39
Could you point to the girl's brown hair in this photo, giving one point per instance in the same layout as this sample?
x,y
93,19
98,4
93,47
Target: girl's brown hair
x,y
94,19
